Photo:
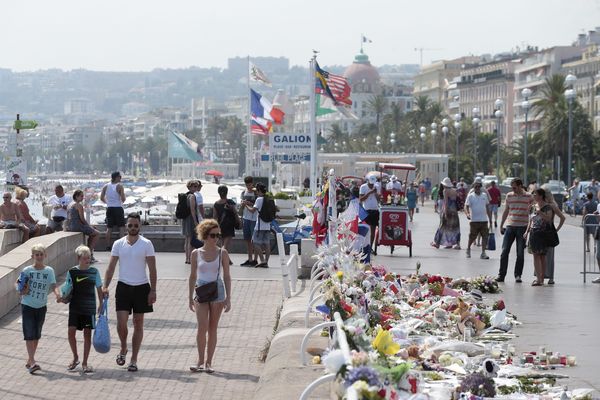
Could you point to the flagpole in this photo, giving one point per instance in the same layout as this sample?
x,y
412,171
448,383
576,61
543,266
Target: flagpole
x,y
249,144
313,123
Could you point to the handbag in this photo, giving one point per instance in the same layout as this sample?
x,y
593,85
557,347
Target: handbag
x,y
551,236
491,244
209,291
102,332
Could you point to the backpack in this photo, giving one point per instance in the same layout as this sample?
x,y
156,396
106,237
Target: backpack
x,y
268,210
182,211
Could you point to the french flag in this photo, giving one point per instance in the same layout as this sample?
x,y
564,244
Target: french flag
x,y
262,109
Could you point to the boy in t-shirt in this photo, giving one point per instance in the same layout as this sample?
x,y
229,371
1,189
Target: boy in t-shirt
x,y
34,284
81,282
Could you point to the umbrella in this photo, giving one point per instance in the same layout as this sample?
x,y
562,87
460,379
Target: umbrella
x,y
148,199
130,200
99,203
214,172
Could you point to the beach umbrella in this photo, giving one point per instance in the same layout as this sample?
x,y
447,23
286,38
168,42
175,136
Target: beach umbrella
x,y
99,203
148,199
130,200
214,172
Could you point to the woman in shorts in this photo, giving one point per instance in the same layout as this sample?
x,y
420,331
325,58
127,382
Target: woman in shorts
x,y
77,222
209,263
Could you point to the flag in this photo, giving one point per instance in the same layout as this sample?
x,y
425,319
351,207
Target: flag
x,y
326,106
366,39
263,114
257,75
180,146
336,87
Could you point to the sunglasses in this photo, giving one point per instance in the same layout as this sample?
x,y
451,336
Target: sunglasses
x,y
214,235
133,225
6,198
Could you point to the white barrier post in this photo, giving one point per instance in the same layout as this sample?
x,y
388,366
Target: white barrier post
x,y
284,271
293,265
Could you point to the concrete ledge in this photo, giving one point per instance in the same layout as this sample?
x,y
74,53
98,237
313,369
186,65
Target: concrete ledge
x,y
284,377
60,249
9,239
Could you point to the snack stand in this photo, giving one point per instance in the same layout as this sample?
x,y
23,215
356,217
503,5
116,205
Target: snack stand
x,y
393,229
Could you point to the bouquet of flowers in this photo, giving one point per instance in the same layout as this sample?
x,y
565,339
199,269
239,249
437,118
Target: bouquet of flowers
x,y
485,284
436,285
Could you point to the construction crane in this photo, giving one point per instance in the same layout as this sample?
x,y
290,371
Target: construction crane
x,y
421,49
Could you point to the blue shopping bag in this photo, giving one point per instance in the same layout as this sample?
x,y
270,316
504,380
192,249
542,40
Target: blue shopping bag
x,y
102,332
491,245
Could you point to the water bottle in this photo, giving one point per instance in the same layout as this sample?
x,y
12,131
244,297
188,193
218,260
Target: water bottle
x,y
22,281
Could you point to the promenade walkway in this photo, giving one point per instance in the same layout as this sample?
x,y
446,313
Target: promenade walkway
x,y
562,318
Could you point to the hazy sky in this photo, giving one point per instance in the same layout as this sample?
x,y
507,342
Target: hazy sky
x,y
128,35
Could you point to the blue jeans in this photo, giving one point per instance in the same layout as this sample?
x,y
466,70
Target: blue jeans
x,y
510,234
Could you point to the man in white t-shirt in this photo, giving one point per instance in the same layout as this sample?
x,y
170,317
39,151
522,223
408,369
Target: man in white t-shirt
x,y
369,198
199,202
59,202
477,209
135,292
261,237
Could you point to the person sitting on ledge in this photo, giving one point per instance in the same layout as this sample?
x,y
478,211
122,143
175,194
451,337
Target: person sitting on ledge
x,y
10,217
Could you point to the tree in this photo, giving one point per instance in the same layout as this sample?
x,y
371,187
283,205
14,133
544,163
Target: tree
x,y
377,104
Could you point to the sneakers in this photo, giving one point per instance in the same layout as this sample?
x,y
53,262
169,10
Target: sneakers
x,y
518,279
484,256
246,263
468,253
597,280
499,278
496,224
262,265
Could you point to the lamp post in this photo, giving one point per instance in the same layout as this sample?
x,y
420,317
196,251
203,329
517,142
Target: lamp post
x,y
570,95
476,121
433,133
445,131
498,114
457,129
423,130
392,140
526,93
378,143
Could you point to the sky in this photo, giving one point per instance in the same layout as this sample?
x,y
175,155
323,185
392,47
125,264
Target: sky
x,y
136,35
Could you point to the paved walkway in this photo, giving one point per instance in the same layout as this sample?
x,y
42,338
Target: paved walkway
x,y
168,349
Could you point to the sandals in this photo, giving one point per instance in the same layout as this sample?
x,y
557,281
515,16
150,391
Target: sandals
x,y
34,368
132,367
87,369
73,365
121,359
536,283
208,369
197,368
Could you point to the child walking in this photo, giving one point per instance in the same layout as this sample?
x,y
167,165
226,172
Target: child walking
x,y
83,283
34,284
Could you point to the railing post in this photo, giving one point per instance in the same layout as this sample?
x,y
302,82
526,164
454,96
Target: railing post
x,y
284,270
293,265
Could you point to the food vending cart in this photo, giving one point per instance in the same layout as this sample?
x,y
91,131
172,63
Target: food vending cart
x,y
393,229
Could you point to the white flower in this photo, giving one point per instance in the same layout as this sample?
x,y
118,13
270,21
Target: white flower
x,y
333,361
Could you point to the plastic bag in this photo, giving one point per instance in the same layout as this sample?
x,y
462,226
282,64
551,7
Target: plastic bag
x,y
102,332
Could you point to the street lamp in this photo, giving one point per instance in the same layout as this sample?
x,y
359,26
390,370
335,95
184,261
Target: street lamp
x,y
476,122
570,94
378,143
445,131
526,93
423,130
498,114
433,133
457,118
392,140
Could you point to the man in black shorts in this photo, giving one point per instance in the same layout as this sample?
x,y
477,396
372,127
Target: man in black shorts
x,y
135,291
113,194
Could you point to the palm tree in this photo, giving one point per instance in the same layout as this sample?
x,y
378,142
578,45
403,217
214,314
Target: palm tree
x,y
377,104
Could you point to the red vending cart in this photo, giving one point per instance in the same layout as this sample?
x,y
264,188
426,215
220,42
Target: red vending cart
x,y
394,229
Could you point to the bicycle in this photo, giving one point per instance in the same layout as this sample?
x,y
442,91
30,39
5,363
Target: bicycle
x,y
294,236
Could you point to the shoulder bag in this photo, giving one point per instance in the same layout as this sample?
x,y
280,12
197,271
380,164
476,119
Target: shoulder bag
x,y
209,291
102,332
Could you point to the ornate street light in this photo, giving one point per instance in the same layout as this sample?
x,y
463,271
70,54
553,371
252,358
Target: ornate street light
x,y
499,114
445,131
457,118
422,141
526,93
392,140
476,122
433,133
570,94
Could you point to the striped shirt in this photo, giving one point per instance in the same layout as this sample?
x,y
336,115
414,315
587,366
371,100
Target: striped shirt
x,y
518,209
